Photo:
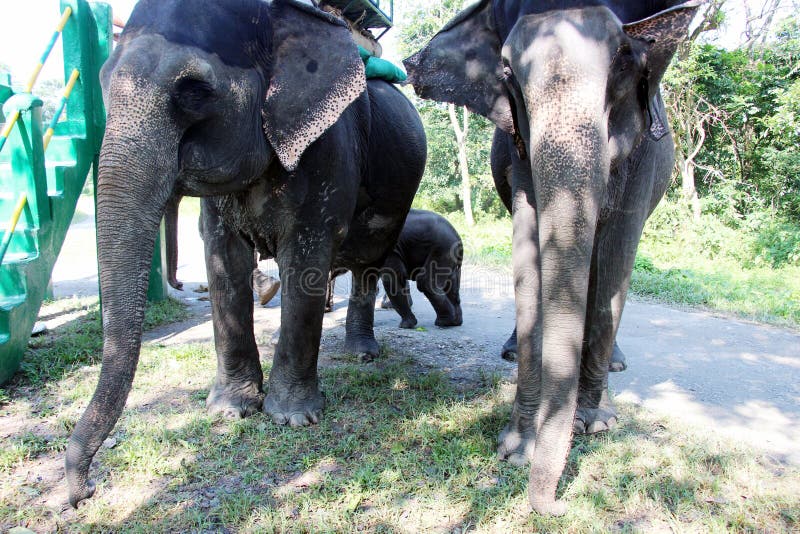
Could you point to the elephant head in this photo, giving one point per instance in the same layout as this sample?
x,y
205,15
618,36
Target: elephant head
x,y
202,98
576,85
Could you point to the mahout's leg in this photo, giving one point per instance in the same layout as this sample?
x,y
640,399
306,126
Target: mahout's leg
x,y
266,287
237,389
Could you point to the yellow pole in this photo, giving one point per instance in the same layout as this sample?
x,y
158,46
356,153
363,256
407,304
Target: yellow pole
x,y
64,97
12,225
38,69
9,125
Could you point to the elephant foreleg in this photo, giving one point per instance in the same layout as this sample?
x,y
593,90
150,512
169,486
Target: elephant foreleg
x,y
237,389
171,237
612,264
293,395
518,439
431,282
453,288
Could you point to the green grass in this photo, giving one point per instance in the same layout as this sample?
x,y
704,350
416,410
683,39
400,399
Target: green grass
x,y
710,264
397,451
79,341
488,242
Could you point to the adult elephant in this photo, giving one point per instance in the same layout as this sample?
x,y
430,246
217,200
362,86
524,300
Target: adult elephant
x,y
263,108
573,87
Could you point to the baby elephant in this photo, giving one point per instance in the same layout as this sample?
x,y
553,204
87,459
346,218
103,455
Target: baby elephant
x,y
429,252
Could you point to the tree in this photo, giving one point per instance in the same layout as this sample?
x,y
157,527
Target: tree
x,y
690,113
419,25
732,114
461,142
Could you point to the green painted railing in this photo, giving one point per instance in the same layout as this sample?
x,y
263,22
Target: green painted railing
x,y
38,195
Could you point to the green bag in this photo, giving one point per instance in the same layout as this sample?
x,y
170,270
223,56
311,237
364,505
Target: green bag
x,y
381,69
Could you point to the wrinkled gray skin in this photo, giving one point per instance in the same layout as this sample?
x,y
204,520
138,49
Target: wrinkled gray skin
x,y
586,154
501,161
263,109
429,252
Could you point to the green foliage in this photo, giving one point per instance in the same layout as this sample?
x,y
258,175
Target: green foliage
x,y
440,189
751,268
749,101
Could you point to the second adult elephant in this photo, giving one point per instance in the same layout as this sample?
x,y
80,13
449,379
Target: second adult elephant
x,y
264,109
573,87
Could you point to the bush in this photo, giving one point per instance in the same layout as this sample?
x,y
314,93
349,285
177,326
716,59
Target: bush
x,y
775,241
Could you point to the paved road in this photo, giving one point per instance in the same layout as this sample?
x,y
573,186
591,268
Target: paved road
x,y
738,378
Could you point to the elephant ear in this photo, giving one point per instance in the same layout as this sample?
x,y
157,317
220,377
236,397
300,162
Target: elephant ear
x,y
316,73
462,65
663,32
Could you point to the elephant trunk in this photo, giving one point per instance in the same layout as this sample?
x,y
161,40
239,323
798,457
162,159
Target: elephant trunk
x,y
569,162
132,192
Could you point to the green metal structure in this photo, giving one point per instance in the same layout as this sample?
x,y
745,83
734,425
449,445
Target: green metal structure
x,y
366,13
50,182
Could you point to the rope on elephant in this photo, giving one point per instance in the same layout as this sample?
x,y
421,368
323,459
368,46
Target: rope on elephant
x,y
377,68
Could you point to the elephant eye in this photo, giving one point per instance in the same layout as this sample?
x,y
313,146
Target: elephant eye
x,y
191,94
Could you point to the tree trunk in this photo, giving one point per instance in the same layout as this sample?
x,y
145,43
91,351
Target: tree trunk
x,y
686,169
461,142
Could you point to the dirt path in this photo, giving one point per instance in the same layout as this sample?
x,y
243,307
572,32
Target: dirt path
x,y
734,377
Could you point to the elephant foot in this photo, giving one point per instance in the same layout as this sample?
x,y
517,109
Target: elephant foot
x,y
408,322
235,400
514,444
363,346
294,405
594,420
617,363
509,351
266,287
78,495
550,507
174,282
446,322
